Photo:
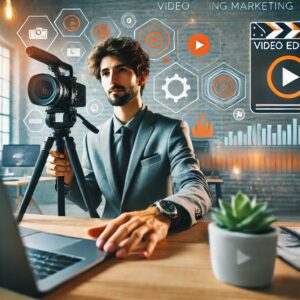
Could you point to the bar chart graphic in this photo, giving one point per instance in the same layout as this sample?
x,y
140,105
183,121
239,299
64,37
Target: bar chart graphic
x,y
268,135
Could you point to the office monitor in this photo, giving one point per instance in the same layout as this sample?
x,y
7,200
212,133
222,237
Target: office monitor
x,y
20,155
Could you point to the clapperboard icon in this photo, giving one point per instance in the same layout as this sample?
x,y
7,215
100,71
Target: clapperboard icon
x,y
275,67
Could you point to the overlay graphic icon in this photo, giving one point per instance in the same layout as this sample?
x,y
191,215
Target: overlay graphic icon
x,y
176,87
100,29
34,121
199,44
71,22
203,129
275,71
239,114
73,51
223,86
128,20
37,31
176,80
94,108
156,38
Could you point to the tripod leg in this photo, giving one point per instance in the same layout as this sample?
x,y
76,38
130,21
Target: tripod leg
x,y
69,141
60,181
38,169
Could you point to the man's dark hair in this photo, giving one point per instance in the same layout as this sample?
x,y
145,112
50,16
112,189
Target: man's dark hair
x,y
126,49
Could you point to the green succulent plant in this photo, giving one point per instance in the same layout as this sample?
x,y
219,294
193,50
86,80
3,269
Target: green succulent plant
x,y
244,215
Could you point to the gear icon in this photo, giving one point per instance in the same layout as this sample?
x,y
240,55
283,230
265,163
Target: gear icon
x,y
185,88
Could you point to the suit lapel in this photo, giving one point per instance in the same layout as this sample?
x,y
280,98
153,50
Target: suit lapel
x,y
142,137
106,149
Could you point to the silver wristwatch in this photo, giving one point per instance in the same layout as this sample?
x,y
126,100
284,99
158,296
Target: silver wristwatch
x,y
167,208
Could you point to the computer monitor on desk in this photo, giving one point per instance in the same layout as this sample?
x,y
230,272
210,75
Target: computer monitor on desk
x,y
16,156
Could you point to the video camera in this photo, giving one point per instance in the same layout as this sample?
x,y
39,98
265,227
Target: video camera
x,y
61,91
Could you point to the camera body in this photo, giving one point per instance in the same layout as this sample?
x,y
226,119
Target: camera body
x,y
60,91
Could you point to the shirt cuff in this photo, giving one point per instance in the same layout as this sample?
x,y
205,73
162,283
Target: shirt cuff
x,y
67,188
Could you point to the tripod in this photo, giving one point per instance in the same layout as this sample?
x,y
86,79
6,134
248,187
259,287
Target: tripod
x,y
60,134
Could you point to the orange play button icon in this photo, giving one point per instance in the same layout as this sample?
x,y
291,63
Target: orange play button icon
x,y
198,44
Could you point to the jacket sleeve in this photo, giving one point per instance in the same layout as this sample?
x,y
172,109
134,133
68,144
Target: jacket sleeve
x,y
191,191
94,192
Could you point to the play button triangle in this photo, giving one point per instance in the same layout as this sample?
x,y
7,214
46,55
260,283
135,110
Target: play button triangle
x,y
241,257
288,77
199,45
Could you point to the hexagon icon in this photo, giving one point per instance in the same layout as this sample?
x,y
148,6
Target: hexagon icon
x,y
100,29
71,22
176,87
199,45
156,38
34,121
37,31
73,51
223,86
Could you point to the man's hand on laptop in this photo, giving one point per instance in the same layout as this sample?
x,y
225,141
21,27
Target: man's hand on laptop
x,y
125,233
59,165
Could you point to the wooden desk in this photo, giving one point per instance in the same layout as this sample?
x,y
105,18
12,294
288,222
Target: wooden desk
x,y
217,181
179,269
22,182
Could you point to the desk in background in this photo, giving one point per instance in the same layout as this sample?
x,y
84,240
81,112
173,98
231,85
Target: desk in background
x,y
24,181
179,269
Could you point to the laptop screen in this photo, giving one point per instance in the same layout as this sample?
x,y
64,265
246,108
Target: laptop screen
x,y
20,155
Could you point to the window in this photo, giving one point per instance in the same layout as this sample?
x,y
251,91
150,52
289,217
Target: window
x,y
5,110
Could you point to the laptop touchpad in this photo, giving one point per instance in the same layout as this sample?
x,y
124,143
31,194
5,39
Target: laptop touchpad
x,y
48,242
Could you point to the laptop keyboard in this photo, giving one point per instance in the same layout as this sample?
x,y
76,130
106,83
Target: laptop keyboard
x,y
46,263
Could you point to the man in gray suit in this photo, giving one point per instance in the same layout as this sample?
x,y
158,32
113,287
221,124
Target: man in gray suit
x,y
128,164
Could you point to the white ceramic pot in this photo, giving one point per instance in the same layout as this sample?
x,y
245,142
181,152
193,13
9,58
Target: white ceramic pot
x,y
242,259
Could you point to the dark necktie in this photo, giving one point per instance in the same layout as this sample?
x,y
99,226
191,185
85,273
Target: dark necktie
x,y
124,154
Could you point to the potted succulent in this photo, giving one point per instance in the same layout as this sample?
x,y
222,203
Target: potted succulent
x,y
243,242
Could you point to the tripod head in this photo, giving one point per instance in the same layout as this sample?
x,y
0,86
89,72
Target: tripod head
x,y
67,119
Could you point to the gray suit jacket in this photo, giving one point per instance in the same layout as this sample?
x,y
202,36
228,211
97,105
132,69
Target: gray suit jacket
x,y
162,148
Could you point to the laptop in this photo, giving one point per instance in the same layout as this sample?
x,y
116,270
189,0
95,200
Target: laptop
x,y
35,262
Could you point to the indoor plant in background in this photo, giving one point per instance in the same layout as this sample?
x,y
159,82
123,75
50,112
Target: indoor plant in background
x,y
243,242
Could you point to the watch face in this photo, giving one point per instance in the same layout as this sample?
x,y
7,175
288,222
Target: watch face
x,y
168,206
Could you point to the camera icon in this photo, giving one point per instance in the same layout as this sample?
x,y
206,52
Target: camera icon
x,y
38,33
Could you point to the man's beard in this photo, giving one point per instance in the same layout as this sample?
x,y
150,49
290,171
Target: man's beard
x,y
122,100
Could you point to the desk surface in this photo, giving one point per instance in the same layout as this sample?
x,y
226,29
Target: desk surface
x,y
25,181
179,269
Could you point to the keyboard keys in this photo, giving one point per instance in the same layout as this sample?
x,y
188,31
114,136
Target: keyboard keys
x,y
46,263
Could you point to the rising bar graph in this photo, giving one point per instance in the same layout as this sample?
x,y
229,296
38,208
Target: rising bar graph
x,y
269,135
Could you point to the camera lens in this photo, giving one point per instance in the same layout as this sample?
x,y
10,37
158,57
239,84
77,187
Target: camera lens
x,y
44,90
